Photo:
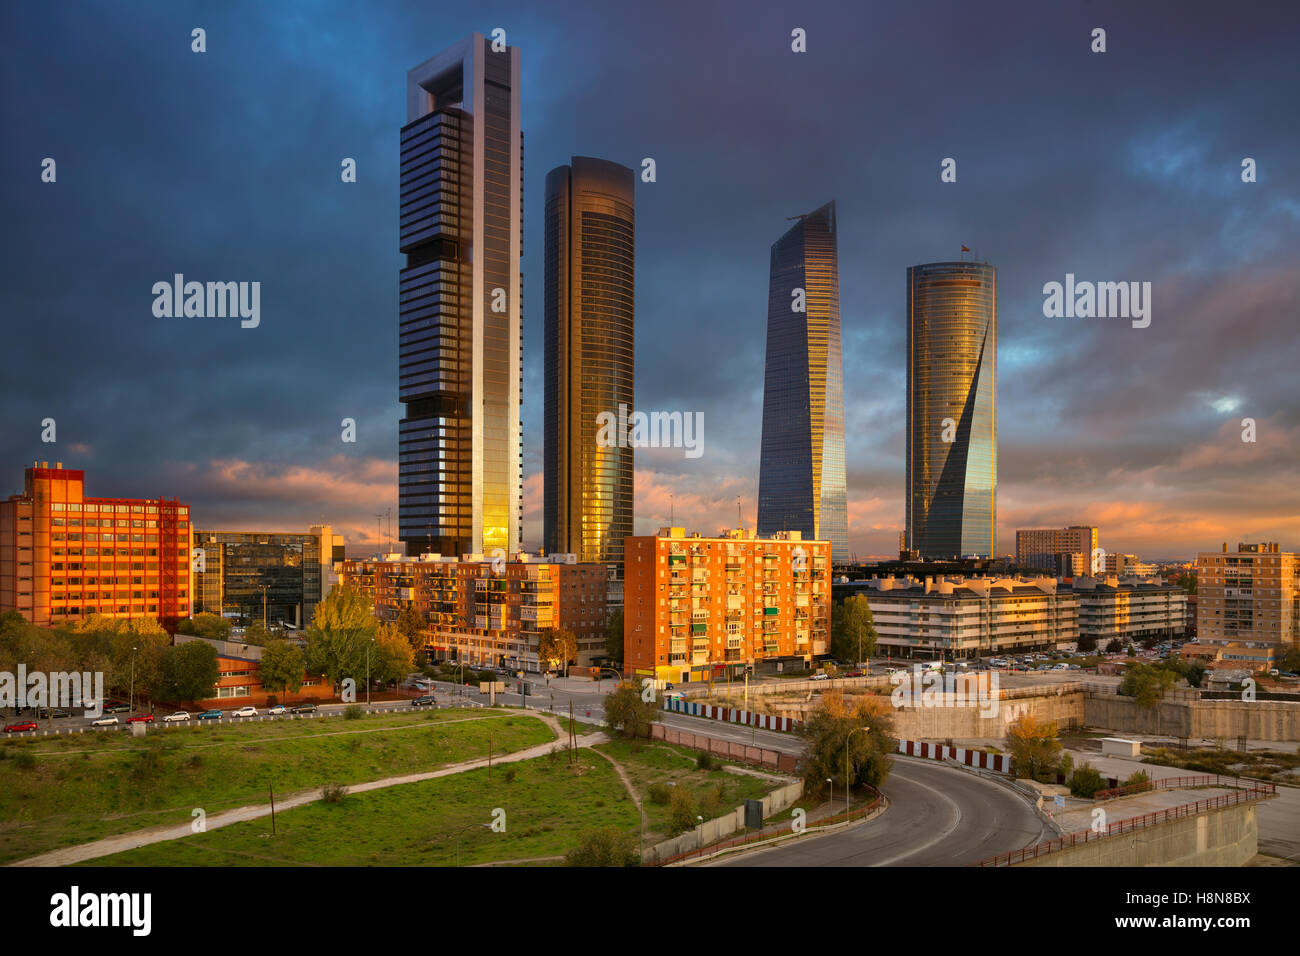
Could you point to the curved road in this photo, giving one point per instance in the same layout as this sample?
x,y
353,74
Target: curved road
x,y
937,816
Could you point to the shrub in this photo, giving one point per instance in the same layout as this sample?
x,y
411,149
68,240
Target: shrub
x,y
705,761
25,760
714,803
352,712
659,793
509,774
681,811
333,792
1086,781
603,846
1139,779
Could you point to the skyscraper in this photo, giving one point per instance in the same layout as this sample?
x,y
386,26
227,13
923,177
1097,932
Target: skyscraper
x,y
802,484
589,226
952,461
460,443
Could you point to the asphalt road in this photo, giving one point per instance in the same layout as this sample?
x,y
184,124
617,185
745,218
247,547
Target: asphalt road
x,y
937,817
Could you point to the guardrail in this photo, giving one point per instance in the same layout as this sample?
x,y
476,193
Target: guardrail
x,y
1166,783
1258,792
769,833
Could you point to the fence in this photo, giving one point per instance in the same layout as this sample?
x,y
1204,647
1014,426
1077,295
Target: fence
x,y
768,833
1257,792
731,715
1167,783
761,756
998,763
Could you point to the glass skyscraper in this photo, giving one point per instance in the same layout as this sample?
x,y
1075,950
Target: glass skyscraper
x,y
460,444
590,245
802,485
952,459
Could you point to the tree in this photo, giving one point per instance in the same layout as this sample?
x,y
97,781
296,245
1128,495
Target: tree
x,y
205,625
410,625
1034,748
1147,685
282,666
191,672
614,635
1087,643
850,740
627,713
603,846
1086,781
557,646
341,629
256,634
853,630
392,657
681,811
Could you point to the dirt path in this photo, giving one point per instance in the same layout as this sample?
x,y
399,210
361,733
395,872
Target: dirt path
x,y
139,838
627,783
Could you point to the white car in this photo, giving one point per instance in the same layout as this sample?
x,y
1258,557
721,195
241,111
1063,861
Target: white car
x,y
277,709
179,715
821,677
244,712
103,722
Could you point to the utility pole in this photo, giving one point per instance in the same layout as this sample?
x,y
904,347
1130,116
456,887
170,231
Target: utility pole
x,y
272,786
489,756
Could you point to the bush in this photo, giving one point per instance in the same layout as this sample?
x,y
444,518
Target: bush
x,y
603,846
352,712
705,761
509,774
1139,779
681,811
333,792
659,793
488,677
1086,781
714,803
25,760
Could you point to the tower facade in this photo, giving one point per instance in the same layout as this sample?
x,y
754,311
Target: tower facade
x,y
460,443
952,461
802,482
590,249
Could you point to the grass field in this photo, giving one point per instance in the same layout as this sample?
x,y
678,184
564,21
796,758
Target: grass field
x,y
61,791
713,792
546,805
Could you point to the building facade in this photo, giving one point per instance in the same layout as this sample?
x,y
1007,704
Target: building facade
x,y
952,461
956,618
589,282
1250,596
1042,547
802,478
489,613
1129,609
460,447
64,556
239,682
254,575
697,607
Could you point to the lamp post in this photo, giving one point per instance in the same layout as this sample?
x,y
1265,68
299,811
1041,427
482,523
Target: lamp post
x,y
832,797
368,647
132,695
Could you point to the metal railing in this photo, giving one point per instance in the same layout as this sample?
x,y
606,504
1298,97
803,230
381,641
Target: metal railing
x,y
1167,783
1258,792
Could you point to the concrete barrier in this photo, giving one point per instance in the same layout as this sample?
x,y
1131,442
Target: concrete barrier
x,y
719,828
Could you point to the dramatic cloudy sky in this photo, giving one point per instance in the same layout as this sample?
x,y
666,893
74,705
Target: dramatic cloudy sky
x,y
225,166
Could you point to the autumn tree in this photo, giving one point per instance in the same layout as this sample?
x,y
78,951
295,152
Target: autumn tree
x,y
1035,749
341,630
392,657
850,740
628,712
557,646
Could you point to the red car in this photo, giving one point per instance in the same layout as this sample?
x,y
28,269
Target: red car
x,y
19,728
140,719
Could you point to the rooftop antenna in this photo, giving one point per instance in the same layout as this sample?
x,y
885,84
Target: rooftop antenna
x,y
670,511
379,532
740,518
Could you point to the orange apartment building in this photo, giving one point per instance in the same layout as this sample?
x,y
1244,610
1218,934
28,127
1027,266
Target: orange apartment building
x,y
1250,596
64,556
697,607
486,613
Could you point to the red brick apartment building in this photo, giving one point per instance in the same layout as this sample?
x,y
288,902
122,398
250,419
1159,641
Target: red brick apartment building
x,y
64,556
696,606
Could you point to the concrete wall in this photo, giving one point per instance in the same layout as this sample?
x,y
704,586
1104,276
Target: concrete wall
x,y
719,828
1184,715
1225,837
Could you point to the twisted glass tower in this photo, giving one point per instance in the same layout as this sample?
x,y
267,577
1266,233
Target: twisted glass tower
x,y
802,484
952,462
460,462
589,283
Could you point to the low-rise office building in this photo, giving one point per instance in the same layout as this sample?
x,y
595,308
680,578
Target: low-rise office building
x,y
490,612
697,607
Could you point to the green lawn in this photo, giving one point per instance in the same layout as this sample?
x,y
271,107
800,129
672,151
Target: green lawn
x,y
713,792
546,805
61,791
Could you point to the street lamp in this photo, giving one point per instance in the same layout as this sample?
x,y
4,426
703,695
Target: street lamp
x,y
832,783
132,698
368,647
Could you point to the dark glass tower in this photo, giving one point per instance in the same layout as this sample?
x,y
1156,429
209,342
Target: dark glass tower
x,y
460,445
952,461
590,232
802,484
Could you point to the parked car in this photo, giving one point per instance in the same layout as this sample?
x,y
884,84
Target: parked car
x,y
277,709
140,719
103,722
117,707
428,700
211,715
21,727
244,712
855,674
61,712
821,677
303,709
179,715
